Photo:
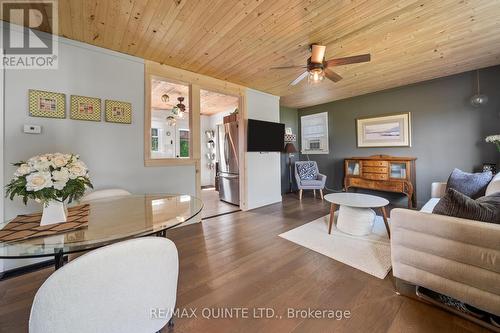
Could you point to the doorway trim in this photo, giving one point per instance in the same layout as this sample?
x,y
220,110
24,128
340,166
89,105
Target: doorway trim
x,y
242,121
196,82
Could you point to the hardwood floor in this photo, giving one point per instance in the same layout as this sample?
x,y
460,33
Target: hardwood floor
x,y
238,260
213,206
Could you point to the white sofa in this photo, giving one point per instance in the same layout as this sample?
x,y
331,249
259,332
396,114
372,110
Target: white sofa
x,y
453,256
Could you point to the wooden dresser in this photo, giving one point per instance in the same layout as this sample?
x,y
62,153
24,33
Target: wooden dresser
x,y
383,173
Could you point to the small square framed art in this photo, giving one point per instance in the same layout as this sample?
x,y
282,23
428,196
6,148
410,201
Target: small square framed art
x,y
46,104
118,112
85,108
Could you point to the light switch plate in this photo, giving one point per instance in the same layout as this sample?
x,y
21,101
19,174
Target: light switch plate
x,y
32,129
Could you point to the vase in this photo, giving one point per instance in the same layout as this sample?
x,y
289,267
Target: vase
x,y
54,212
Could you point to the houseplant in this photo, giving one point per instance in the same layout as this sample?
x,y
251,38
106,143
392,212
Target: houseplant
x,y
494,139
50,179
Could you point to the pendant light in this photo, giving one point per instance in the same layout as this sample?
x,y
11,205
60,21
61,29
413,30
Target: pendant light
x,y
171,121
478,99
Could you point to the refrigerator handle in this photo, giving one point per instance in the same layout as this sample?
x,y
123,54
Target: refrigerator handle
x,y
226,149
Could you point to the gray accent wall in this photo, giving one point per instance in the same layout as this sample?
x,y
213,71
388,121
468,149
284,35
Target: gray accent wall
x,y
447,132
289,117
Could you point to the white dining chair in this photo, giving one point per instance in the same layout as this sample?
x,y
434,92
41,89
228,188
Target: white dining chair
x,y
107,193
125,287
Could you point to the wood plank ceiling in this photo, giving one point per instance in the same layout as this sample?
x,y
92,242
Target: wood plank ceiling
x,y
211,102
239,40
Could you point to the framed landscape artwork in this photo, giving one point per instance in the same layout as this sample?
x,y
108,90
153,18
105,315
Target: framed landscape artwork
x,y
46,104
85,108
392,130
118,112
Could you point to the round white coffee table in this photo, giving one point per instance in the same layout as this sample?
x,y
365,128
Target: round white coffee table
x,y
355,214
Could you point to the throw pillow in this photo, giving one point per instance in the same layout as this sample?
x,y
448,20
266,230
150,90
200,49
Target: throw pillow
x,y
456,204
472,185
307,171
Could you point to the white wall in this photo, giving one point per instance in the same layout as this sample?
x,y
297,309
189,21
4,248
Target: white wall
x,y
263,169
113,152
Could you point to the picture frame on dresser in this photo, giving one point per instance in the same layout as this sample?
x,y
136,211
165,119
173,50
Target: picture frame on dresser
x,y
389,130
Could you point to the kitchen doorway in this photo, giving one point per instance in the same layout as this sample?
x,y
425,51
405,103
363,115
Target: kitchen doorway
x,y
220,155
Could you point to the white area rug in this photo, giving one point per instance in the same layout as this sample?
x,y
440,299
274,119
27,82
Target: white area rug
x,y
370,254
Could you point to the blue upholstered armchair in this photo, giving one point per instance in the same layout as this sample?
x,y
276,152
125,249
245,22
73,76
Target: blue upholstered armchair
x,y
308,177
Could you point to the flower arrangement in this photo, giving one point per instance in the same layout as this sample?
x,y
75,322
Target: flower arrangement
x,y
494,139
50,177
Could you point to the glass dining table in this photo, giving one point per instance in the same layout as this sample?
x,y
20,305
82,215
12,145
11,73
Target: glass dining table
x,y
110,220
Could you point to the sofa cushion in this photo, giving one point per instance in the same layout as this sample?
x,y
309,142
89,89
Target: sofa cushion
x,y
472,185
307,170
311,182
429,206
456,204
494,185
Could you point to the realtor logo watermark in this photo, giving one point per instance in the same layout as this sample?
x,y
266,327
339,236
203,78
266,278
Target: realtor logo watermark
x,y
27,40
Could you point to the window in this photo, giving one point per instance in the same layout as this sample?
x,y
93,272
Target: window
x,y
170,114
154,139
314,134
183,143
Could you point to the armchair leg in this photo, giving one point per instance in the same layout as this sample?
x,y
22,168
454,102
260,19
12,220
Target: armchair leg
x,y
314,194
300,195
321,193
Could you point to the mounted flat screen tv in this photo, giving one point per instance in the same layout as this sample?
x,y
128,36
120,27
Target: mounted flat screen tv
x,y
264,136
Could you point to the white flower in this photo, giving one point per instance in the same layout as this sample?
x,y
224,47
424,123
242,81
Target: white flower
x,y
77,169
23,170
40,163
493,138
59,160
60,178
60,185
38,181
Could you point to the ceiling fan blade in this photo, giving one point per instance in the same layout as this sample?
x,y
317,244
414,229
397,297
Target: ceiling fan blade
x,y
332,75
299,78
348,60
287,67
318,53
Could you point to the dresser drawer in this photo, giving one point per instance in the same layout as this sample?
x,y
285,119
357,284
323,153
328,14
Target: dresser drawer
x,y
371,169
360,182
391,187
375,164
375,176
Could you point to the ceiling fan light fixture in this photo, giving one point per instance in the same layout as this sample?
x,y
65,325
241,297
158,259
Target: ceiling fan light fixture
x,y
316,76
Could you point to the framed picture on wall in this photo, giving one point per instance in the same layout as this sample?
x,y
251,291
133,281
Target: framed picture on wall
x,y
85,108
118,112
46,104
393,130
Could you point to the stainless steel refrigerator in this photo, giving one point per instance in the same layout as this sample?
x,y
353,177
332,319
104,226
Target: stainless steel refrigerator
x,y
228,155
